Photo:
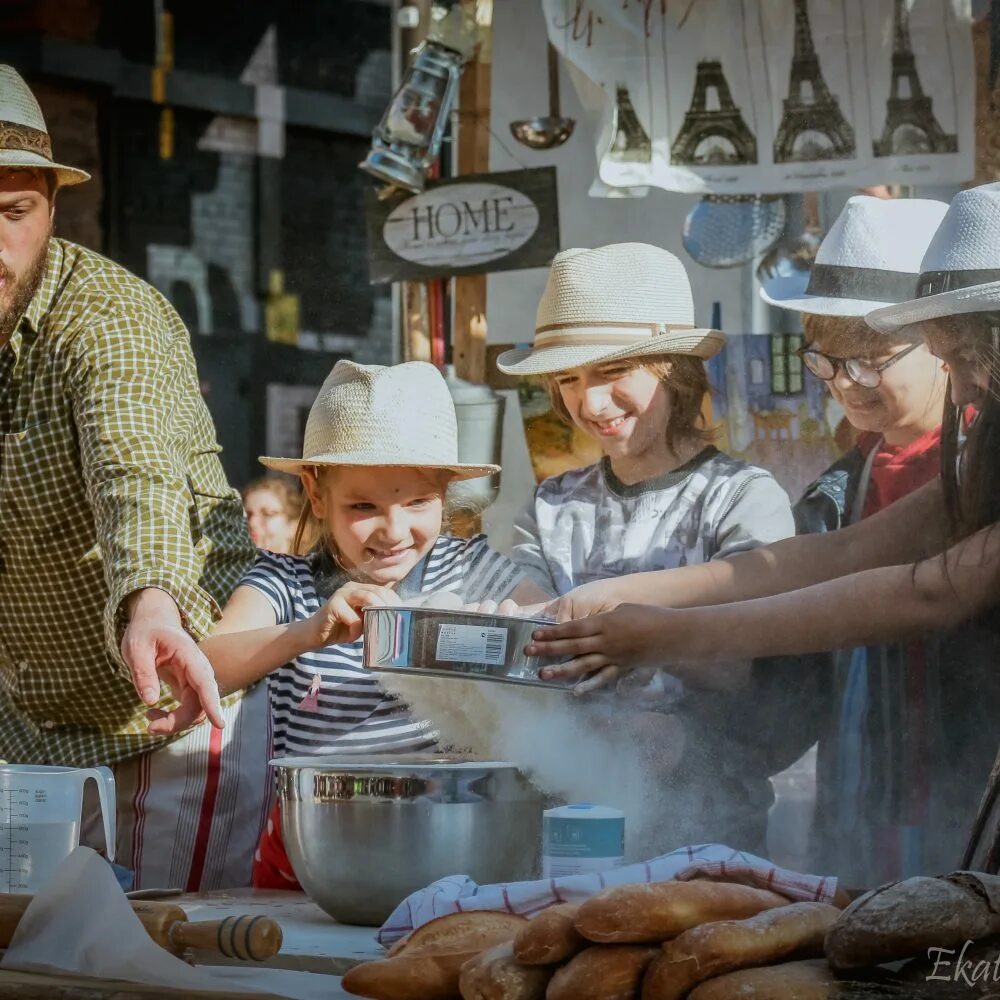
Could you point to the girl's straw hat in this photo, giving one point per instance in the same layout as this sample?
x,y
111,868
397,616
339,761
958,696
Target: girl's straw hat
x,y
870,256
960,272
626,300
24,139
374,415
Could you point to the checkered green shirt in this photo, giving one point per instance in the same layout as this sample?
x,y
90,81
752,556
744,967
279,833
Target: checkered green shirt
x,y
110,481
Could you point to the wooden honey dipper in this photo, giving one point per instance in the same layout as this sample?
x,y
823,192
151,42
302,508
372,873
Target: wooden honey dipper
x,y
244,937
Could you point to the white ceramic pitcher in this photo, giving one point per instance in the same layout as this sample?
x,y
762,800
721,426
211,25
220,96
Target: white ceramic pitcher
x,y
40,809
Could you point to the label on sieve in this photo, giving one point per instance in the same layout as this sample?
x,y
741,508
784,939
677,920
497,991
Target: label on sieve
x,y
471,644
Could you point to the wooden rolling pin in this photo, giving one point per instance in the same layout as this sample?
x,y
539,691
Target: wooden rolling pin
x,y
244,937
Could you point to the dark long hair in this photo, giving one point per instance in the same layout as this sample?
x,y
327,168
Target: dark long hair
x,y
971,474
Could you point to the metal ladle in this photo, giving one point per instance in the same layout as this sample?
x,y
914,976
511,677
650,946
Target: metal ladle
x,y
546,131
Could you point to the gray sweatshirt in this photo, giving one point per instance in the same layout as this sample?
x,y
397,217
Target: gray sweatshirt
x,y
588,525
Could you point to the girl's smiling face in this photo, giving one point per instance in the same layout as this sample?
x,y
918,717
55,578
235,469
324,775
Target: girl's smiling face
x,y
380,521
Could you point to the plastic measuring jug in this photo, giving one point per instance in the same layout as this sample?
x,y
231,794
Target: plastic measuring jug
x,y
40,810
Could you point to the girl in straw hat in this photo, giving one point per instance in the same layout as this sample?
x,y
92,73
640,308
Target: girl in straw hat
x,y
380,451
617,346
891,718
930,562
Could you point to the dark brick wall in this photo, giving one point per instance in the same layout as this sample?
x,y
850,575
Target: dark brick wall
x,y
191,224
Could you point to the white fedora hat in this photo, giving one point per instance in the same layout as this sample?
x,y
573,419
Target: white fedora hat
x,y
387,416
870,256
626,300
24,139
961,269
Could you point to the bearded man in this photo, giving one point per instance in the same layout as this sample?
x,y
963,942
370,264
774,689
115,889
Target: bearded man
x,y
119,538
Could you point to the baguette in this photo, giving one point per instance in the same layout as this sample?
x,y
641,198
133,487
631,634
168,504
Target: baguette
x,y
791,981
496,975
475,930
714,949
630,914
550,938
904,919
602,972
409,977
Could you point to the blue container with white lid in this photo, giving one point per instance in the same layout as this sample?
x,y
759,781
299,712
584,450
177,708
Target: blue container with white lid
x,y
582,838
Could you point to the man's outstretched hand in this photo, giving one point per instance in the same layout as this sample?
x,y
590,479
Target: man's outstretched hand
x,y
157,649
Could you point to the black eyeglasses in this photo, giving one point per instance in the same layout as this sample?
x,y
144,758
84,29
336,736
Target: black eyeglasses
x,y
859,371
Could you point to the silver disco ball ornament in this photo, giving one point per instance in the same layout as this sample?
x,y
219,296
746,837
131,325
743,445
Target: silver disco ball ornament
x,y
724,230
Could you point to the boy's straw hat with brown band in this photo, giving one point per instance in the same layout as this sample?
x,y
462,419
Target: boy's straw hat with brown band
x,y
24,140
372,415
626,300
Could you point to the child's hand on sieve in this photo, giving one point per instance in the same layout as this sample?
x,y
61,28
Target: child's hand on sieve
x,y
339,620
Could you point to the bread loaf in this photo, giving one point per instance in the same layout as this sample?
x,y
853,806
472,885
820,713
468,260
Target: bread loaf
x,y
550,937
496,975
471,931
409,977
904,919
658,912
602,972
714,949
791,981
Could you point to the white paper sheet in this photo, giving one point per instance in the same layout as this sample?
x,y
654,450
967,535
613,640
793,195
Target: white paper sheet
x,y
59,933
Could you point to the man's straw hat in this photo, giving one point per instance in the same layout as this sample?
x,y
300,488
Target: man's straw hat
x,y
626,300
960,272
372,415
870,256
24,139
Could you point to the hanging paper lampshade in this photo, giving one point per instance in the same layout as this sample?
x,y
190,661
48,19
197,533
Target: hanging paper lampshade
x,y
727,230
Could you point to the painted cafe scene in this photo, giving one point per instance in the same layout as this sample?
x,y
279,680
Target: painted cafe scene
x,y
500,499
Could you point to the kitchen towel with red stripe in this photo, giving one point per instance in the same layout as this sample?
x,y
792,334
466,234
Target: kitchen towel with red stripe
x,y
458,893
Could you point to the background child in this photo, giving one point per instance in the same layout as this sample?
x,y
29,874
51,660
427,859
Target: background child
x,y
380,451
272,506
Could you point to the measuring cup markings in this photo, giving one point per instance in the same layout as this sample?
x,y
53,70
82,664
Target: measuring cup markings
x,y
40,809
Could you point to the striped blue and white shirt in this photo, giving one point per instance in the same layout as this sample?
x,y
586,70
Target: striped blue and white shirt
x,y
347,711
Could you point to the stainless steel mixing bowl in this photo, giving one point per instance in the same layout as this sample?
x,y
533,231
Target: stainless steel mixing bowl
x,y
454,643
362,833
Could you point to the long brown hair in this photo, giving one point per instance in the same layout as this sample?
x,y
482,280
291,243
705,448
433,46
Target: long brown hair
x,y
687,381
971,474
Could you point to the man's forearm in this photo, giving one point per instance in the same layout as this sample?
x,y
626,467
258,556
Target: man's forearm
x,y
151,603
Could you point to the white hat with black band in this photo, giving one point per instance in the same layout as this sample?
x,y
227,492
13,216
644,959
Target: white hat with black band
x,y
870,257
961,269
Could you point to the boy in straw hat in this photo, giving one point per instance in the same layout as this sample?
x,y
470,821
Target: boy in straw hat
x,y
930,562
380,451
891,718
617,346
120,536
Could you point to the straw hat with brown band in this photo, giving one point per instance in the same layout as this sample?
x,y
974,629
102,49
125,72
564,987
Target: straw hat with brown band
x,y
24,140
626,300
372,415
